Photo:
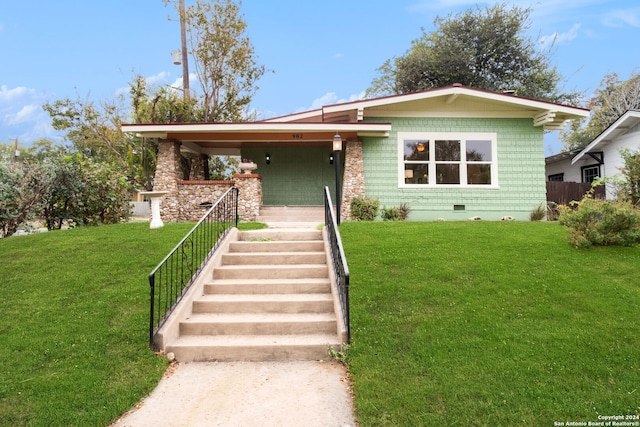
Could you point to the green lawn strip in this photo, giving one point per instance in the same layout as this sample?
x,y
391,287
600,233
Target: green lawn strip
x,y
490,324
74,323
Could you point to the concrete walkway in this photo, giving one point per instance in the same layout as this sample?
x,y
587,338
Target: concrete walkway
x,y
297,393
247,394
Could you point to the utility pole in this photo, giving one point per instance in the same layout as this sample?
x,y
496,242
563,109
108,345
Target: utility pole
x,y
16,153
185,56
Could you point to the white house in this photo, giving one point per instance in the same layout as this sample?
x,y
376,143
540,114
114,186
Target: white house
x,y
601,158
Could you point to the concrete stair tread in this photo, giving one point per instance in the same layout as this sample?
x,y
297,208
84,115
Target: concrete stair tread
x,y
269,266
259,317
267,282
280,234
255,340
273,254
264,297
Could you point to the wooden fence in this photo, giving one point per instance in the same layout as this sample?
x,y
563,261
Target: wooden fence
x,y
564,193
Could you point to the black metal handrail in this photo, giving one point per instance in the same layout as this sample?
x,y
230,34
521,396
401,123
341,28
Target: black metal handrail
x,y
338,259
171,279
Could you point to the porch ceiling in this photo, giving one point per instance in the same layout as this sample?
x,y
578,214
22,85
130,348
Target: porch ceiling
x,y
229,138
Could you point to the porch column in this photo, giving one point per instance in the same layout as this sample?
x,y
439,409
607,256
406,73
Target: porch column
x,y
168,172
250,196
353,179
199,167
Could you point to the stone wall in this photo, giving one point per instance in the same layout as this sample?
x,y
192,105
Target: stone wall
x,y
185,200
192,196
199,167
353,181
250,197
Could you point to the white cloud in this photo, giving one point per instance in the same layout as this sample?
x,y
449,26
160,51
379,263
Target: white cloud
x,y
159,78
331,98
9,95
623,18
26,114
22,117
555,38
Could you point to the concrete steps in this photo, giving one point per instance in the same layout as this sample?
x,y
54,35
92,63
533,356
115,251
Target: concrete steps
x,y
270,299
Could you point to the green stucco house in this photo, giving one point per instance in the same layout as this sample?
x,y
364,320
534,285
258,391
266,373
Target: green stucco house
x,y
452,153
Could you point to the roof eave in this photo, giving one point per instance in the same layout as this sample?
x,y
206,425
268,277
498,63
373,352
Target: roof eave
x,y
604,136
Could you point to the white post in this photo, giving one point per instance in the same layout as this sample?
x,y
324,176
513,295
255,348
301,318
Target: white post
x,y
155,196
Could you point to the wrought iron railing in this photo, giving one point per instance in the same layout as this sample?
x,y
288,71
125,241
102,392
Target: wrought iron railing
x,y
338,259
171,279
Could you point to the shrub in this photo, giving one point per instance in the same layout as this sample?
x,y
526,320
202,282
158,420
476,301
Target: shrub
x,y
601,223
85,192
538,213
22,189
363,209
399,213
553,211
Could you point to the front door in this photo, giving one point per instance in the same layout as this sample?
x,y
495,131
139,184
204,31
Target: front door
x,y
295,176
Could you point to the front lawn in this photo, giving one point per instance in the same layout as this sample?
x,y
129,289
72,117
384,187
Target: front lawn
x,y
468,323
490,324
74,323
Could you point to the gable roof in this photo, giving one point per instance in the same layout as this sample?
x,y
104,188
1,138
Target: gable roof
x,y
450,101
616,129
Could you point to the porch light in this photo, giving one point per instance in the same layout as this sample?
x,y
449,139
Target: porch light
x,y
337,142
267,159
420,147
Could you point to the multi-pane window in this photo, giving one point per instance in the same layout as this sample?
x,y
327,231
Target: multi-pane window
x,y
590,173
440,159
558,177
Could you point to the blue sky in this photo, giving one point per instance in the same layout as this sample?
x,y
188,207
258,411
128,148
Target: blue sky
x,y
320,52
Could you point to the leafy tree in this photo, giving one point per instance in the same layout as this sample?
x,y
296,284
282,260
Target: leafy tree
x,y
612,99
223,167
224,59
481,48
630,186
37,152
22,190
85,192
93,129
226,68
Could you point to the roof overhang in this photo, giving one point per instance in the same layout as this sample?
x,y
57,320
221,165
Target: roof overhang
x,y
625,122
223,138
451,101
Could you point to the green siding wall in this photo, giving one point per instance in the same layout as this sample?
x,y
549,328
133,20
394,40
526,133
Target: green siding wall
x,y
296,175
521,176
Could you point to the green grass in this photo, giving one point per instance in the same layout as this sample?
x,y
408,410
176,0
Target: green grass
x,y
453,324
490,324
73,323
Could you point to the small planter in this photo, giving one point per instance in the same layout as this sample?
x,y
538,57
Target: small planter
x,y
248,167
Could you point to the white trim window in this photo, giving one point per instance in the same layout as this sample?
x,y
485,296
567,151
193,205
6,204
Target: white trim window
x,y
443,159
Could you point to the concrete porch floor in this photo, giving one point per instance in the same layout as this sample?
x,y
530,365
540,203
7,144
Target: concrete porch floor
x,y
292,216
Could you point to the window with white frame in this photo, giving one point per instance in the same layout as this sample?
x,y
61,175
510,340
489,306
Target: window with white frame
x,y
590,173
447,159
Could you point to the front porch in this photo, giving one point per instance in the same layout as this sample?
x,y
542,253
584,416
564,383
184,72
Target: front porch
x,y
295,162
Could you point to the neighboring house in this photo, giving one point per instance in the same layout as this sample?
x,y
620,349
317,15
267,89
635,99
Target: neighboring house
x,y
453,153
601,158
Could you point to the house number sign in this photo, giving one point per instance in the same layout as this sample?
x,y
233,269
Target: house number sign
x,y
298,136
